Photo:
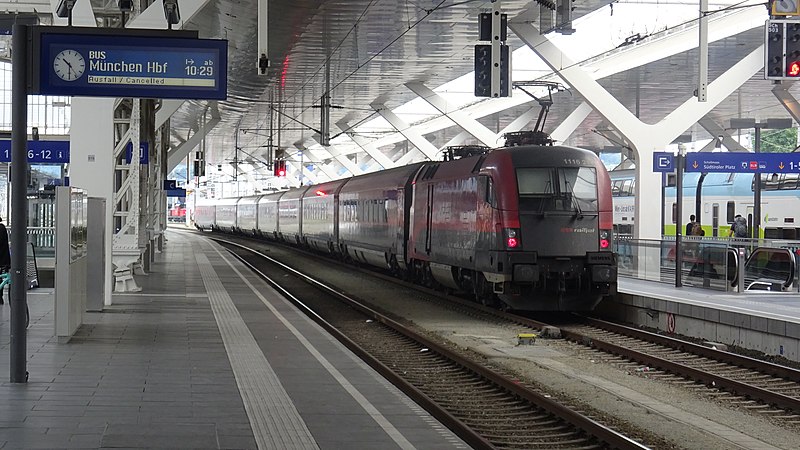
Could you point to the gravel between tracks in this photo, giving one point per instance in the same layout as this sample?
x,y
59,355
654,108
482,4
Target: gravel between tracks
x,y
676,413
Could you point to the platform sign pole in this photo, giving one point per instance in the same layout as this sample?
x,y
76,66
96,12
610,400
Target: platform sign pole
x,y
756,225
681,161
19,203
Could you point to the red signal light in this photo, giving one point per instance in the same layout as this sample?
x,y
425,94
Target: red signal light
x,y
793,69
604,243
512,242
281,173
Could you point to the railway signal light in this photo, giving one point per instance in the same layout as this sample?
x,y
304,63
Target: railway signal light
x,y
782,49
793,49
773,66
483,70
279,168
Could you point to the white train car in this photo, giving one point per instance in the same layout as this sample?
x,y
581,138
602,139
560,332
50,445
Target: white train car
x,y
247,215
268,215
205,213
226,214
722,196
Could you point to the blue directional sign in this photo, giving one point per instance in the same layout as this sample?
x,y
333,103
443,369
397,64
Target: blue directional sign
x,y
144,156
128,63
743,162
176,192
39,152
663,162
170,185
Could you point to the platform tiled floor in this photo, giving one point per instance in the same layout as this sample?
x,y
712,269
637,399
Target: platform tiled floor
x,y
152,371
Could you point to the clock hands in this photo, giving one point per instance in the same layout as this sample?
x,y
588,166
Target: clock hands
x,y
69,66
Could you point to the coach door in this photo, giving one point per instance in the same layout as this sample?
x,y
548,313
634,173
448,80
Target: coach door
x,y
429,220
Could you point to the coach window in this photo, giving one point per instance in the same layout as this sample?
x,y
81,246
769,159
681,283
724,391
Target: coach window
x,y
715,219
674,212
626,188
731,211
788,181
486,188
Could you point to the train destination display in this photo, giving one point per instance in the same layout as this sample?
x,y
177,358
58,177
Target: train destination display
x,y
132,66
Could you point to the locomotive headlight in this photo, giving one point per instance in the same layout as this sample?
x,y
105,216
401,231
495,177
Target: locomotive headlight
x,y
511,238
603,234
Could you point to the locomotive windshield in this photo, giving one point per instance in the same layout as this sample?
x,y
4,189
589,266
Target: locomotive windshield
x,y
572,189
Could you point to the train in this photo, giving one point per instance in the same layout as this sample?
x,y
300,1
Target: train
x,y
526,227
177,213
721,197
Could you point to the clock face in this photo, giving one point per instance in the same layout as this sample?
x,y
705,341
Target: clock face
x,y
69,65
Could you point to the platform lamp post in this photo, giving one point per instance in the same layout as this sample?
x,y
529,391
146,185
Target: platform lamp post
x,y
744,124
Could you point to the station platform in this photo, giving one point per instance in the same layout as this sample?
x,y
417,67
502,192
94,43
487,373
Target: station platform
x,y
206,356
759,320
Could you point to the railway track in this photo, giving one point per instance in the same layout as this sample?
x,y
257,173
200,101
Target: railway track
x,y
757,385
485,408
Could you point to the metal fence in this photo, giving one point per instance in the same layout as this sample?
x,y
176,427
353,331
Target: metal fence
x,y
44,239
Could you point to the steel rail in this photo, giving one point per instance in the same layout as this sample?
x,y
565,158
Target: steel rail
x,y
717,355
717,381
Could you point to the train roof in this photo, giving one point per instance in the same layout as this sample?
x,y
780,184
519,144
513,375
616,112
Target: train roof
x,y
549,155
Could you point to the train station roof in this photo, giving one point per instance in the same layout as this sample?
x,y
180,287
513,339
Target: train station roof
x,y
391,61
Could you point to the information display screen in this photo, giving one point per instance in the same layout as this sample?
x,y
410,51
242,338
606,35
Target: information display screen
x,y
124,65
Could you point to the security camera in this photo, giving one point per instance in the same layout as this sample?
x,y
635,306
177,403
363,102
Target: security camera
x,y
263,64
64,8
171,12
125,5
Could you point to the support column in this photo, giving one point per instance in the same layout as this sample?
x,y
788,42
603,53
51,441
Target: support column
x,y
92,164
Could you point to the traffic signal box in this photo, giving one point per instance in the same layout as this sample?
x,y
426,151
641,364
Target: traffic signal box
x,y
483,58
782,49
483,70
279,168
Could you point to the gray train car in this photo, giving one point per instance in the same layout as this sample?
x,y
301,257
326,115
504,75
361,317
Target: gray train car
x,y
205,214
226,214
372,214
268,215
247,215
320,216
290,216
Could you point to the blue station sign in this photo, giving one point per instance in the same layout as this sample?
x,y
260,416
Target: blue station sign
x,y
144,153
743,162
128,63
39,152
663,162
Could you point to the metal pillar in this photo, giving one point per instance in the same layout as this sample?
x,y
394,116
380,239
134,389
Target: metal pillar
x,y
19,204
757,188
127,197
679,218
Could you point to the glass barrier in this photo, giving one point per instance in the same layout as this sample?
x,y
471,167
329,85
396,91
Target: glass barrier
x,y
710,265
712,262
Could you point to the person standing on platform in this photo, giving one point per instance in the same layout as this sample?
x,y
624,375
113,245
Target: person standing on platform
x,y
738,227
690,225
5,254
